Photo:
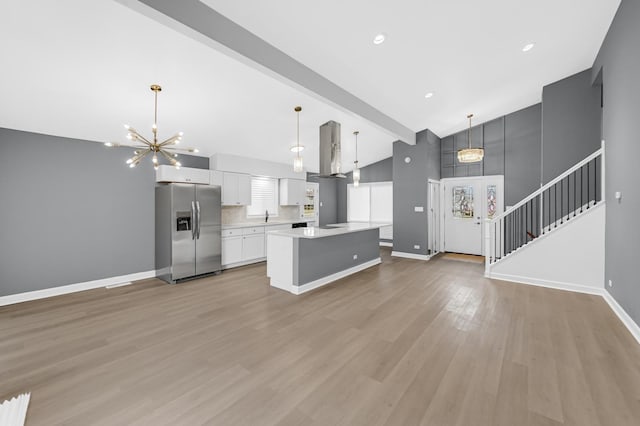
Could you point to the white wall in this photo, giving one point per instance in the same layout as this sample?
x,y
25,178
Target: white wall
x,y
570,257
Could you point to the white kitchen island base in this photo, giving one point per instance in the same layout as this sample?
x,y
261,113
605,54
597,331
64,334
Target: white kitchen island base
x,y
300,260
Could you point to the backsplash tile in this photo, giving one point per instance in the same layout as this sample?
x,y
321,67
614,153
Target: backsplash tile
x,y
238,214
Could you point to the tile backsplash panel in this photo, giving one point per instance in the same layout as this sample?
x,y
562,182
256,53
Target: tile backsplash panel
x,y
238,214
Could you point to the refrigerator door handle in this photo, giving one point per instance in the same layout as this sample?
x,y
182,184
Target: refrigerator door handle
x,y
193,220
198,221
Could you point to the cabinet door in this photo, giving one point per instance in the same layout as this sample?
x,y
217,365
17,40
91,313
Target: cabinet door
x,y
299,192
231,250
230,189
253,247
244,189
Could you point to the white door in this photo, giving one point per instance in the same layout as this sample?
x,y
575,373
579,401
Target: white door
x,y
468,202
463,215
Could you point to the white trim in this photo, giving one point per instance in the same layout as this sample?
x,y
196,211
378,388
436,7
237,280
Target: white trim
x,y
633,328
385,244
73,288
410,255
558,285
243,263
333,277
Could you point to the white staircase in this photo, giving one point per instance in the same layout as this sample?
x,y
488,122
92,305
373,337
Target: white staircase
x,y
555,236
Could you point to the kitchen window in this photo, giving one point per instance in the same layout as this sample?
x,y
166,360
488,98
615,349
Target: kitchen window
x,y
264,197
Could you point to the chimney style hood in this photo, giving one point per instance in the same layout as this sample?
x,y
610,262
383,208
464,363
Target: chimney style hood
x,y
330,153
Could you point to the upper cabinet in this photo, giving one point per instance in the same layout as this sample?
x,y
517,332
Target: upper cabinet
x,y
182,175
292,192
236,189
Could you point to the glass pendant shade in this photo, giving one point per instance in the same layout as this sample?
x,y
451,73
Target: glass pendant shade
x,y
470,155
298,165
297,148
356,175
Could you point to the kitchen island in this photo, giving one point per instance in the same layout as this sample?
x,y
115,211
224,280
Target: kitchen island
x,y
299,260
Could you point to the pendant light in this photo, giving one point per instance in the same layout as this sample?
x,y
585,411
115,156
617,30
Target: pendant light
x,y
143,146
356,170
297,161
470,155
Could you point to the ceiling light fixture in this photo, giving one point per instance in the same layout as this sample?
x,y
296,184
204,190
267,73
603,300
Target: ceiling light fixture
x,y
528,47
356,170
429,95
297,161
297,148
143,146
379,38
470,155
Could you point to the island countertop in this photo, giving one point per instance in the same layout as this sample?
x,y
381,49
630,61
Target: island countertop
x,y
329,230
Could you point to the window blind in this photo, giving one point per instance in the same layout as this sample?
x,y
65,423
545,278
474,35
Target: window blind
x,y
264,196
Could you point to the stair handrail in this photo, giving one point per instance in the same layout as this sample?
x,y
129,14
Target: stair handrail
x,y
548,185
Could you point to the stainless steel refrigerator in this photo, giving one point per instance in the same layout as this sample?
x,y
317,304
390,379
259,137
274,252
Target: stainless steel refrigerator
x,y
188,231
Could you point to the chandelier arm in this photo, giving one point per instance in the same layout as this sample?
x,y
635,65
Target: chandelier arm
x,y
137,158
141,138
175,148
169,141
168,157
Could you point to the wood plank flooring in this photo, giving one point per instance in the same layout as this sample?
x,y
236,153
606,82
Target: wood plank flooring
x,y
403,343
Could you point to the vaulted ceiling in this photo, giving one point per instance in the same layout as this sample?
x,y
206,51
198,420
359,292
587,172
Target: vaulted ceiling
x,y
82,69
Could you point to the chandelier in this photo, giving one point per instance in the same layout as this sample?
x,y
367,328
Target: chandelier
x,y
470,155
143,146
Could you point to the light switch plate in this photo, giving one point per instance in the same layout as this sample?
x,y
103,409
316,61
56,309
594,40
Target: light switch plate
x,y
418,209
416,247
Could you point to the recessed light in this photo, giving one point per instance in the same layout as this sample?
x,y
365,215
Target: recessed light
x,y
429,95
379,39
528,47
297,148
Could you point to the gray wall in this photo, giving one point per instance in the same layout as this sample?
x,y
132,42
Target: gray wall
x,y
571,122
410,190
512,146
72,212
328,203
317,258
380,171
619,64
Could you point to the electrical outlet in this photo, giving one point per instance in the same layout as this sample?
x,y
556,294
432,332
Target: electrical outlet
x,y
417,246
610,283
355,257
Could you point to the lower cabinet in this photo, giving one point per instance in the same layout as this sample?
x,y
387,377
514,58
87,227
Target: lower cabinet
x,y
243,245
231,250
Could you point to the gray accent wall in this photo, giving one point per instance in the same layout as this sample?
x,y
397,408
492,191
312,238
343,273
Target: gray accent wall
x,y
512,145
618,63
319,257
571,123
410,190
73,211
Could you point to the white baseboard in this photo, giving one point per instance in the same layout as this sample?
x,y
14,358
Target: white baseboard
x,y
243,263
545,283
385,244
333,277
633,328
73,288
628,322
410,255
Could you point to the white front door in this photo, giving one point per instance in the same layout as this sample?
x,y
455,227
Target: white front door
x,y
462,215
468,202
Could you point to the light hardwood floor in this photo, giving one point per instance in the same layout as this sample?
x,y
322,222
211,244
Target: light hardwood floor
x,y
406,342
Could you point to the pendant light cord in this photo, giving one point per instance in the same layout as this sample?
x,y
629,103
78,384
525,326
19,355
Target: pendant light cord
x,y
298,134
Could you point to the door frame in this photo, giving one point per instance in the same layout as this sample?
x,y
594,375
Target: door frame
x,y
485,180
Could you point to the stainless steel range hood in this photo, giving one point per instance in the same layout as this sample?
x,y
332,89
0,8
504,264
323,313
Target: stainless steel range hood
x,y
330,153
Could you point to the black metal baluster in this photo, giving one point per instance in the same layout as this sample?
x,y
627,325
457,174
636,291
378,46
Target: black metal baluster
x,y
595,179
561,201
581,188
575,194
588,186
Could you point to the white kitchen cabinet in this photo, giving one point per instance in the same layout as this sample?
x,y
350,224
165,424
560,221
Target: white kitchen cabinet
x,y
167,173
215,177
232,249
236,189
252,247
292,192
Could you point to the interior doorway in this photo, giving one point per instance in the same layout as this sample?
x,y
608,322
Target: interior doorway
x,y
467,203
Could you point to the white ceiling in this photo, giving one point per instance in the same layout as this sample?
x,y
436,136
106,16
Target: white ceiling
x,y
467,52
82,69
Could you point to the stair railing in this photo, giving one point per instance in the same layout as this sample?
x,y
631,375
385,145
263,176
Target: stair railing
x,y
570,194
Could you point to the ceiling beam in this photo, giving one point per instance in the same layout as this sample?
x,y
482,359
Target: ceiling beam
x,y
199,21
